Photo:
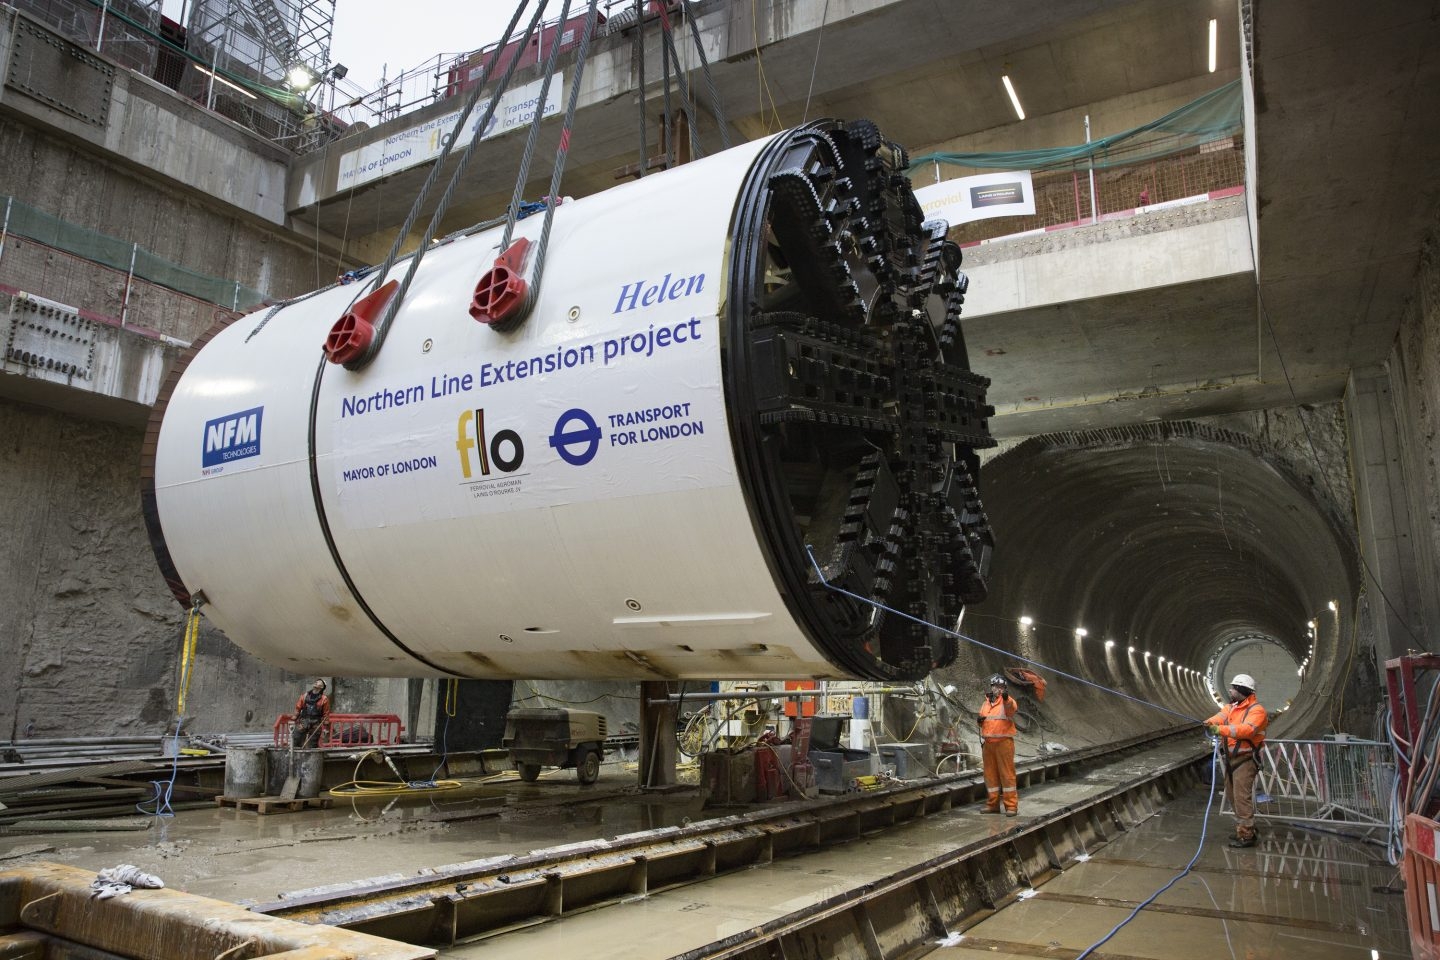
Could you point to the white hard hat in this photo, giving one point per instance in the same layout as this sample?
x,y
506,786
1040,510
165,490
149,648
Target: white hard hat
x,y
1243,680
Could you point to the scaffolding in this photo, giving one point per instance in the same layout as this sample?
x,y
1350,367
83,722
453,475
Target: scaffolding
x,y
284,44
116,28
264,60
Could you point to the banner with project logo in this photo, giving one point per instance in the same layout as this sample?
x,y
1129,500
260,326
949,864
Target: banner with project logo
x,y
425,141
976,198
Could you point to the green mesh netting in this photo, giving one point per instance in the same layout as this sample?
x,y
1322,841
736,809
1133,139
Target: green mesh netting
x,y
1218,113
26,221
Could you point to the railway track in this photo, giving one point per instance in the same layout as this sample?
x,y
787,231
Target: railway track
x,y
482,898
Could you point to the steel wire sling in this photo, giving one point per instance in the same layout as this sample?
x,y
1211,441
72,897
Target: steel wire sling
x,y
387,317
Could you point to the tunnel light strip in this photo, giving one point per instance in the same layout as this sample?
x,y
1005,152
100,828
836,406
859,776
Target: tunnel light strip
x,y
1214,33
985,646
1026,621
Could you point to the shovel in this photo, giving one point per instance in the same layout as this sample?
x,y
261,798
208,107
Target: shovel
x,y
291,789
292,781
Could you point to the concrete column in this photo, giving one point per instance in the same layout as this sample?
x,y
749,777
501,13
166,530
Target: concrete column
x,y
1383,513
658,749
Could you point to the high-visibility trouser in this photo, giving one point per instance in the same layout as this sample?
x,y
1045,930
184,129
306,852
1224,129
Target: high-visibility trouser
x,y
1240,772
999,756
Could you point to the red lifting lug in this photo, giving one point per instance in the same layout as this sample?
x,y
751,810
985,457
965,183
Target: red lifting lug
x,y
352,333
501,292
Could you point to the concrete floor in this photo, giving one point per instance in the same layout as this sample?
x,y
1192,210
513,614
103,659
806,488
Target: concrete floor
x,y
238,856
1298,894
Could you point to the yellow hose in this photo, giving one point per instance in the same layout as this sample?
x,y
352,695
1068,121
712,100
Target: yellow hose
x,y
390,788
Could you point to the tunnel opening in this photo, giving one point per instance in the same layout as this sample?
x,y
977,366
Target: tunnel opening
x,y
1275,668
1152,560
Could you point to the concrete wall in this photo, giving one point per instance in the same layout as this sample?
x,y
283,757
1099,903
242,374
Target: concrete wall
x,y
1414,369
1178,246
137,121
74,183
1313,440
89,634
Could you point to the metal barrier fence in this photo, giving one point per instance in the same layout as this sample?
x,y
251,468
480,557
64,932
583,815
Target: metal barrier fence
x,y
1325,781
346,730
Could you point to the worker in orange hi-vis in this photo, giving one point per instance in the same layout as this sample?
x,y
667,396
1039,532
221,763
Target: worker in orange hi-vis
x,y
997,748
1242,725
312,712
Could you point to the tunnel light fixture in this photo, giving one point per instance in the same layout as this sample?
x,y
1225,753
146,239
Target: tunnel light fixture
x,y
1026,621
1014,100
1214,36
1334,607
1081,632
1131,649
1147,654
1310,624
1109,644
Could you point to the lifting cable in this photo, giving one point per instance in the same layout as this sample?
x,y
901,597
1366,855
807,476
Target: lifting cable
x,y
504,265
670,153
638,55
562,153
522,175
716,104
1004,653
392,306
383,326
687,103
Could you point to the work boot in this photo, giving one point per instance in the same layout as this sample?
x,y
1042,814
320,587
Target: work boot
x,y
989,809
1243,842
1012,813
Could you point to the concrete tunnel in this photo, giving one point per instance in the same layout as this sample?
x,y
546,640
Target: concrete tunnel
x,y
1190,542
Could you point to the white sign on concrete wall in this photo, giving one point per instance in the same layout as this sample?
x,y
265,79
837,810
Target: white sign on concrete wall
x,y
978,197
418,144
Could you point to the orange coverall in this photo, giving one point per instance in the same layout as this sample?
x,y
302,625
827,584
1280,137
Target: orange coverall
x,y
1242,725
997,749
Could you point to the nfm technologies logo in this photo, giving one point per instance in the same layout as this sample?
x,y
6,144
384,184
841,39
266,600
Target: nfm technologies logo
x,y
235,436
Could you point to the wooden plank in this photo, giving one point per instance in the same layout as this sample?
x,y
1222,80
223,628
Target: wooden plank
x,y
204,793
30,781
272,804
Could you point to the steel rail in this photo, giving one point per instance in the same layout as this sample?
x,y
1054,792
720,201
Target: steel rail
x,y
470,899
